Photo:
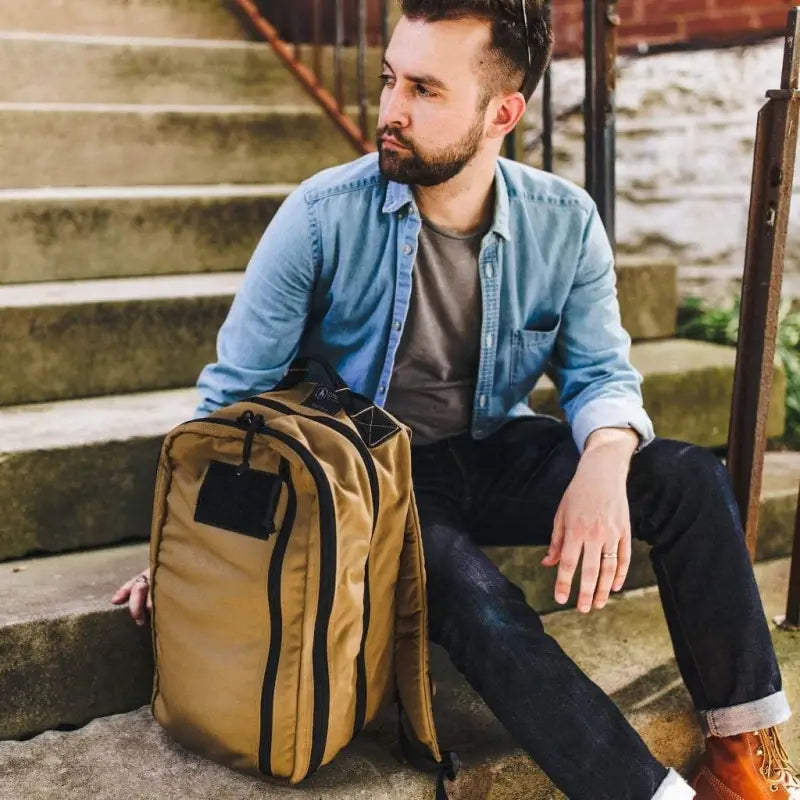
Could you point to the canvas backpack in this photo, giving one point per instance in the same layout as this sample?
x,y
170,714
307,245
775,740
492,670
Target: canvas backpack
x,y
288,581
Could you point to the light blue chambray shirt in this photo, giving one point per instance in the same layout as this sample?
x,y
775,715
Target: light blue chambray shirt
x,y
332,276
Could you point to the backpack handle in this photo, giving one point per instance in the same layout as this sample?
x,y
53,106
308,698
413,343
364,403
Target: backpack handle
x,y
301,366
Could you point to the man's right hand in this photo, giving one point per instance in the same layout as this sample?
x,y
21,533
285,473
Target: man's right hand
x,y
136,592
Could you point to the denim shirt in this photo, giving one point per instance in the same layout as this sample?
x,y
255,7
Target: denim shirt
x,y
332,277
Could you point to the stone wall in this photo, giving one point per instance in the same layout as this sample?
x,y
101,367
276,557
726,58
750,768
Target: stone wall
x,y
685,137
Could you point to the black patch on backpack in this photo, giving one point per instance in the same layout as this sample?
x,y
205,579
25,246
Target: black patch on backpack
x,y
374,425
243,503
323,399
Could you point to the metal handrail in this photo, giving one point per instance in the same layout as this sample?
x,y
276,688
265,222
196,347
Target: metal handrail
x,y
770,200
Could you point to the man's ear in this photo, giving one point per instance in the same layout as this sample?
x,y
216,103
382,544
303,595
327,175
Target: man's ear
x,y
508,111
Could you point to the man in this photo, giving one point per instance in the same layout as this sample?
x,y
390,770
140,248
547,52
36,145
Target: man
x,y
440,280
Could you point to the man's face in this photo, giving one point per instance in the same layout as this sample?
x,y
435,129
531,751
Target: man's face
x,y
432,111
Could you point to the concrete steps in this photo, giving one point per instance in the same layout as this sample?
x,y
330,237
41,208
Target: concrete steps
x,y
119,231
126,145
687,390
151,70
97,337
80,473
184,18
86,338
68,645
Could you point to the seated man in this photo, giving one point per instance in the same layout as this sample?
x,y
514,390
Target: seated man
x,y
440,280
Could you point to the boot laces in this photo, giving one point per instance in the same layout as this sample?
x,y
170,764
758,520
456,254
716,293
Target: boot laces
x,y
776,767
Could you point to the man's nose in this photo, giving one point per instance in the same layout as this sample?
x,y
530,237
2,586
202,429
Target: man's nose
x,y
393,108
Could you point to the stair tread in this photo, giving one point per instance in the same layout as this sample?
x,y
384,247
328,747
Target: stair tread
x,y
109,40
190,191
109,290
111,751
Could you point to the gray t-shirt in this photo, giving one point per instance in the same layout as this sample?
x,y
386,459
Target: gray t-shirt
x,y
433,380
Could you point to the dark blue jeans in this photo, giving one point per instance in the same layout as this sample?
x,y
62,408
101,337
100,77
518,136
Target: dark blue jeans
x,y
505,490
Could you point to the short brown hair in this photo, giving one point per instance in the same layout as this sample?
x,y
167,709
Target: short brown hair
x,y
508,67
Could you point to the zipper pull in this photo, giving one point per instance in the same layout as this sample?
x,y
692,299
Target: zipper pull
x,y
254,423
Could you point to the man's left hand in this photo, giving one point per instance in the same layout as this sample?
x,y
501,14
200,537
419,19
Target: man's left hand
x,y
593,519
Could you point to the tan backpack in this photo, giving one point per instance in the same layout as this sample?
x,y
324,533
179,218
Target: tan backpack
x,y
288,581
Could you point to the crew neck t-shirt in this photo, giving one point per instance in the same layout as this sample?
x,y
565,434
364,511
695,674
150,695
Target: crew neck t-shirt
x,y
435,368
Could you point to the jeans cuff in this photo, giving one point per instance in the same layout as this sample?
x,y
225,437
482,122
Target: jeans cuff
x,y
673,787
747,717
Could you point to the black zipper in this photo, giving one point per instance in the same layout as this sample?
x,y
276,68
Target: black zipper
x,y
327,585
358,443
275,621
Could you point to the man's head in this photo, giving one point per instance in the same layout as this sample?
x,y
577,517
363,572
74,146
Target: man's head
x,y
457,75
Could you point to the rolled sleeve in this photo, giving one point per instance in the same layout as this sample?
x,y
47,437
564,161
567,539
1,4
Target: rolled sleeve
x,y
598,385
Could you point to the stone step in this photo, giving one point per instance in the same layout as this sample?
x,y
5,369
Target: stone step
x,y
48,144
99,337
78,233
184,18
86,338
122,231
80,473
74,657
128,69
687,390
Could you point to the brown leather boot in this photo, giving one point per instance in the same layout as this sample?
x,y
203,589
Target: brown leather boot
x,y
750,766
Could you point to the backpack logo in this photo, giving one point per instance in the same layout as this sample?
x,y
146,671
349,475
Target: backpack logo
x,y
323,399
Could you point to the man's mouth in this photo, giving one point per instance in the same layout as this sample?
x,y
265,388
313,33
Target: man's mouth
x,y
390,141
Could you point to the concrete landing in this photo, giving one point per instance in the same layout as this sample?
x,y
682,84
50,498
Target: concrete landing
x,y
128,755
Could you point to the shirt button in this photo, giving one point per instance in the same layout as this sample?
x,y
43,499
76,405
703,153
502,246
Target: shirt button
x,y
397,325
407,249
489,271
382,388
482,401
489,340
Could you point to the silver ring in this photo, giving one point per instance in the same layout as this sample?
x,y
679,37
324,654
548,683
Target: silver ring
x,y
608,555
142,579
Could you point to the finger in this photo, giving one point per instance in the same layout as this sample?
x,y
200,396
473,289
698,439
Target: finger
x,y
150,599
137,601
590,572
624,562
608,570
124,591
568,563
556,543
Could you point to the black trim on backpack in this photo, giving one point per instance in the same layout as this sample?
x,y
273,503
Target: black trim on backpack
x,y
275,621
418,755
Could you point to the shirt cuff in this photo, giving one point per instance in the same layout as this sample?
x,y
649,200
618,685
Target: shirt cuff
x,y
611,413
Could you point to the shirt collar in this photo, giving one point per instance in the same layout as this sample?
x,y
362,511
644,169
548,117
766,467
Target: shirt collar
x,y
399,195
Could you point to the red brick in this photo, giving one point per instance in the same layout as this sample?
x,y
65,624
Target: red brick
x,y
656,29
773,19
719,26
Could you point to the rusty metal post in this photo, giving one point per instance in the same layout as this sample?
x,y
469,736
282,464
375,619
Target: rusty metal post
x,y
792,619
600,22
547,107
363,98
547,122
384,23
316,24
338,55
771,190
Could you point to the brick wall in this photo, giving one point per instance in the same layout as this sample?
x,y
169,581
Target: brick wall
x,y
657,23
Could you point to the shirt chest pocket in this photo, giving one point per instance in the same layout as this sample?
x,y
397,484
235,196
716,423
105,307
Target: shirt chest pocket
x,y
530,351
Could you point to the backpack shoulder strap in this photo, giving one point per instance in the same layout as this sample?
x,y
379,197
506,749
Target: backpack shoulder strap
x,y
417,730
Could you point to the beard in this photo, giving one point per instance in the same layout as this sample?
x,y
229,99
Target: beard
x,y
427,169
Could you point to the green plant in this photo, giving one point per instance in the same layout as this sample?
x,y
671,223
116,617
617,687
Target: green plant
x,y
698,320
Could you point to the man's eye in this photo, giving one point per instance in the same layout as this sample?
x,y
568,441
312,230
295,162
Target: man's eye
x,y
385,79
423,91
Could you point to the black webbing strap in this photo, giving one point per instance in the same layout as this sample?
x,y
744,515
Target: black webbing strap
x,y
420,757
